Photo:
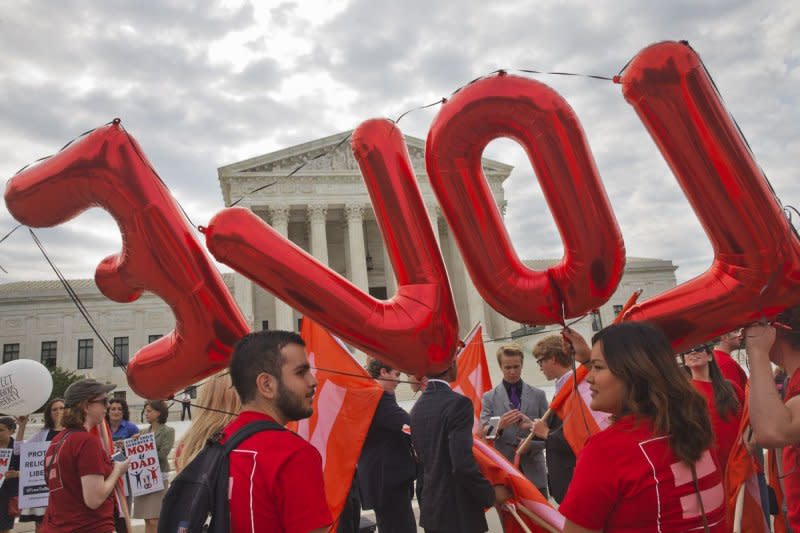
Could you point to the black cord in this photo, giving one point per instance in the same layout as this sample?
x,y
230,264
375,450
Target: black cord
x,y
78,303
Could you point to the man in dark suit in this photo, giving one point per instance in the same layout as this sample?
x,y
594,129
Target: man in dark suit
x,y
455,493
517,404
387,468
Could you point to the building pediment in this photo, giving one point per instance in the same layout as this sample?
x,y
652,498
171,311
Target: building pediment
x,y
330,156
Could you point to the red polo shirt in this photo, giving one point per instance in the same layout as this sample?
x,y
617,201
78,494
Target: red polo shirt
x,y
276,482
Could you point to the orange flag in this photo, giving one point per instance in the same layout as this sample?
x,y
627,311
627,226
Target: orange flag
x,y
343,409
473,379
741,475
532,507
580,422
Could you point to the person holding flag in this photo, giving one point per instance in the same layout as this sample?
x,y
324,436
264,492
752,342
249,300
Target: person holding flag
x,y
654,468
555,364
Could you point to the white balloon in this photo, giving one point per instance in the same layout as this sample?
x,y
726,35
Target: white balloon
x,y
25,386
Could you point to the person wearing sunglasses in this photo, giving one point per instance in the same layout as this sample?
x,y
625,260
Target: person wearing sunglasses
x,y
724,398
776,421
80,474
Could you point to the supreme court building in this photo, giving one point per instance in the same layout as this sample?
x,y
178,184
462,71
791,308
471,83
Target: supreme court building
x,y
325,209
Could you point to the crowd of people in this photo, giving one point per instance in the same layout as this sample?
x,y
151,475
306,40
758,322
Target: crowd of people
x,y
659,465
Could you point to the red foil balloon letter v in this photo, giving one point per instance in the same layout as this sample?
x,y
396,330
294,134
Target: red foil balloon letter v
x,y
545,125
159,253
416,330
756,268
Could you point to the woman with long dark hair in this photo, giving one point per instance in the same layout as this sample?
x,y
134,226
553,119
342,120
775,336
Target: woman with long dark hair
x,y
654,468
724,398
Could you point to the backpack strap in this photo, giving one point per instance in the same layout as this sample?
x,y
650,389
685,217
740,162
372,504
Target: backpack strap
x,y
249,430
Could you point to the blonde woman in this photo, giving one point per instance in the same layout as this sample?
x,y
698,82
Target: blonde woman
x,y
218,394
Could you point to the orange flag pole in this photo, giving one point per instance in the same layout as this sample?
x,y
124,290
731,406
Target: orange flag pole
x,y
541,523
512,509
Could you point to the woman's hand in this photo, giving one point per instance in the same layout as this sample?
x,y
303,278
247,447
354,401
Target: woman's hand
x,y
540,429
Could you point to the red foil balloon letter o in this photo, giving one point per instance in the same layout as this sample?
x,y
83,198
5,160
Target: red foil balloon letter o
x,y
160,253
545,125
756,268
416,330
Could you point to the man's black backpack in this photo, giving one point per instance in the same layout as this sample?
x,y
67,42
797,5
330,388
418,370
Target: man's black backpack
x,y
201,489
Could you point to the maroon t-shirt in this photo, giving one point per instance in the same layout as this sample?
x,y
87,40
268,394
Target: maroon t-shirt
x,y
80,455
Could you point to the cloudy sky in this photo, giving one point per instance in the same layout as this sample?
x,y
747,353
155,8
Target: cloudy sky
x,y
201,87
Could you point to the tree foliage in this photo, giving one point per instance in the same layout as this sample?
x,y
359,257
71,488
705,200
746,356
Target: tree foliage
x,y
62,379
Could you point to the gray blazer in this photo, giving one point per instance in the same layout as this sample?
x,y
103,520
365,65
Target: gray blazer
x,y
533,404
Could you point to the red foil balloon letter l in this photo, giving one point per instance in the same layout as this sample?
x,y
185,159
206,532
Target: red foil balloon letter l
x,y
416,330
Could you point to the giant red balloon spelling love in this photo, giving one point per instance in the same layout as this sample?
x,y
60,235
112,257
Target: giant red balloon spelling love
x,y
755,273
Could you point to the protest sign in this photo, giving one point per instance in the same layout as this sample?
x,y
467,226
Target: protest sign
x,y
5,460
33,491
144,473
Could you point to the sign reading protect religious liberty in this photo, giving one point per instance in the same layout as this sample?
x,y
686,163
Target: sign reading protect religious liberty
x,y
144,473
5,460
33,491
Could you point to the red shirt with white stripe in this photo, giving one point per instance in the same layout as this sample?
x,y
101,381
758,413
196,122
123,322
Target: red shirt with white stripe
x,y
276,483
628,480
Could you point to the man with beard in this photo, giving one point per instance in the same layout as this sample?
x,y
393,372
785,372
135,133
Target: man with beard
x,y
276,479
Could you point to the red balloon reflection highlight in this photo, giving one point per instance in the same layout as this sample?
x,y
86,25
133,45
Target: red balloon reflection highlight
x,y
756,267
416,330
160,253
545,125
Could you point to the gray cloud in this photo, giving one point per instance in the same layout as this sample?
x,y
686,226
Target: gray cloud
x,y
71,66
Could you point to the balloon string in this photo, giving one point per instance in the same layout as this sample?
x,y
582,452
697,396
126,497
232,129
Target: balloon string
x,y
144,161
419,108
362,376
6,236
79,304
297,169
84,134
